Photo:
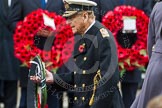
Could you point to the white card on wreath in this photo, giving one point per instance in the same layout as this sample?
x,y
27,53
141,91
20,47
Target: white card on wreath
x,y
49,21
129,23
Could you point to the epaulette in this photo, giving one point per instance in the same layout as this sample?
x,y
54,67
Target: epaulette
x,y
104,32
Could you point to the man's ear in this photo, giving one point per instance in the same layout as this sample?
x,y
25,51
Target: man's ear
x,y
85,15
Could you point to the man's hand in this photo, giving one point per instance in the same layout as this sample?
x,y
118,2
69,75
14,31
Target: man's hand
x,y
49,78
45,33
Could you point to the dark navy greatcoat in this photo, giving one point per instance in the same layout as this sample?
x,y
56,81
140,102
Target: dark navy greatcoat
x,y
94,52
9,65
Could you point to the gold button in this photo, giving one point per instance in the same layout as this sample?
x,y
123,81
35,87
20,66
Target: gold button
x,y
84,72
74,72
74,59
99,70
85,58
83,85
83,98
75,98
75,86
83,44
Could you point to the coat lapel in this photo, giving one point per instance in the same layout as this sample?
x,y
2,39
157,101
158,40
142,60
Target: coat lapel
x,y
82,42
79,41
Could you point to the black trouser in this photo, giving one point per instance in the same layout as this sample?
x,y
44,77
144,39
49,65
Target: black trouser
x,y
9,90
54,99
23,98
129,93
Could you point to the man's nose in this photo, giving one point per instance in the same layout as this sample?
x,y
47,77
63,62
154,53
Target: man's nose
x,y
68,21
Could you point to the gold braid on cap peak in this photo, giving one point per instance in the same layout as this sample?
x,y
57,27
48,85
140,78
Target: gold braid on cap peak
x,y
96,80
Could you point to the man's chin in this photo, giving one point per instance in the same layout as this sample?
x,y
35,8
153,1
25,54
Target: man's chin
x,y
76,32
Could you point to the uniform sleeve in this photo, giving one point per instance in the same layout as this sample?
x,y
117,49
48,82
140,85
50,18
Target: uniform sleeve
x,y
151,35
108,56
109,74
63,79
105,55
62,82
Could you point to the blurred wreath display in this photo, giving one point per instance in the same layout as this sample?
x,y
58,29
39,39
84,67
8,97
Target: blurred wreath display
x,y
32,48
129,27
54,50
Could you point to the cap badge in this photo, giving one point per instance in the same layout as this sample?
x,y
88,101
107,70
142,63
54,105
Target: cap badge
x,y
66,5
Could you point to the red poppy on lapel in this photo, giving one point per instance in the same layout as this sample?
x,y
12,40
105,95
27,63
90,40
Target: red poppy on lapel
x,y
81,48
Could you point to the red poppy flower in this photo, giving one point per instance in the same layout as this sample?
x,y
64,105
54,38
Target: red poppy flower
x,y
81,48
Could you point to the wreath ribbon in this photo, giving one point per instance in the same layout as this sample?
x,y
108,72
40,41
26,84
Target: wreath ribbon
x,y
37,93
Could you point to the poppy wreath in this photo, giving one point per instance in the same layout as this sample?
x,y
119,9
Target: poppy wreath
x,y
133,55
25,41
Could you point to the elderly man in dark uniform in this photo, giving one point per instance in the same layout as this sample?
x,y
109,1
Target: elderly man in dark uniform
x,y
93,68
